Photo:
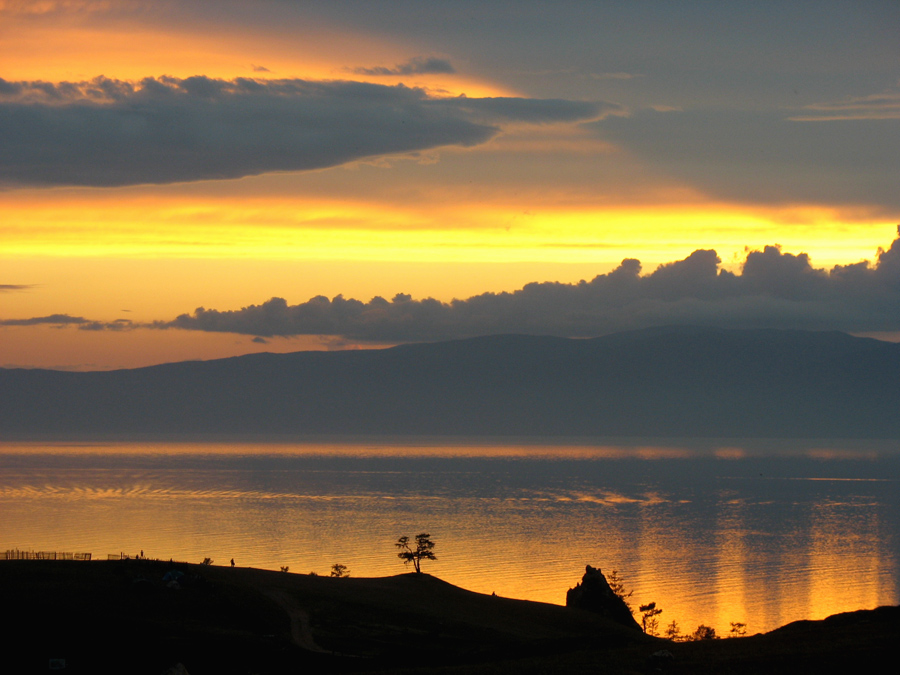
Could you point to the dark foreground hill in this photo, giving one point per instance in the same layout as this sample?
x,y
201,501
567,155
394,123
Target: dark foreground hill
x,y
128,617
690,382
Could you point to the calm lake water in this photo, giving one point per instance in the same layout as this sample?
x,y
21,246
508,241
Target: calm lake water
x,y
762,533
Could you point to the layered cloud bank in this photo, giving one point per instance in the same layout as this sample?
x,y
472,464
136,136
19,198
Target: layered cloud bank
x,y
774,290
842,151
106,132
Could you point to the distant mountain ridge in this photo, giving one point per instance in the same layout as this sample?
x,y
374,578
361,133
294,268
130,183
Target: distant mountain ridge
x,y
673,382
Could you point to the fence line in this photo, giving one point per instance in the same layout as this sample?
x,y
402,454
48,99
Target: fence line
x,y
16,554
119,556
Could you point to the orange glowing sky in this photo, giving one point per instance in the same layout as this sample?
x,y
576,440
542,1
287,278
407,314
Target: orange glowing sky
x,y
588,135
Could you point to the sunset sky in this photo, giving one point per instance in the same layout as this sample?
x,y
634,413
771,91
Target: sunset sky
x,y
320,175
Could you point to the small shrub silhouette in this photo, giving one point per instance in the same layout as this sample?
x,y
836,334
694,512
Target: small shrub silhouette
x,y
704,632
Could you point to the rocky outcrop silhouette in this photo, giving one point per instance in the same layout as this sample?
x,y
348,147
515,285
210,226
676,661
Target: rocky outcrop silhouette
x,y
594,595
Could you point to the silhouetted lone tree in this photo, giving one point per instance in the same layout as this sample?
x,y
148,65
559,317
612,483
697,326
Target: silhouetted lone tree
x,y
738,629
617,586
649,622
408,554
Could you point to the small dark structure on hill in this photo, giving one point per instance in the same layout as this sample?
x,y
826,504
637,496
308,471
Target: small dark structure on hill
x,y
595,595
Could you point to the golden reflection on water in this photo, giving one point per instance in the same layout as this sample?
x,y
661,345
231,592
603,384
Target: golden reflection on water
x,y
519,520
399,448
480,447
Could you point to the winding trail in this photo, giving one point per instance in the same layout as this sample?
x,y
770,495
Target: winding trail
x,y
301,633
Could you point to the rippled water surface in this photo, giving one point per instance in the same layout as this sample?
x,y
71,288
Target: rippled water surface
x,y
765,533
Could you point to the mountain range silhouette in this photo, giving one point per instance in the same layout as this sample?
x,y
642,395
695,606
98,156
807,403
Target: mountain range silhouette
x,y
672,382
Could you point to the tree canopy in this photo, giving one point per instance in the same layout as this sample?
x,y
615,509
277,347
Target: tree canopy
x,y
415,553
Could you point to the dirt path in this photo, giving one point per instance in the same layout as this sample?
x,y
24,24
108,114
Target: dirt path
x,y
301,634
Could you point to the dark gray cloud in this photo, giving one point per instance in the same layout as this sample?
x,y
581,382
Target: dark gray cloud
x,y
782,156
4,288
52,319
532,111
419,65
117,325
110,132
774,289
63,320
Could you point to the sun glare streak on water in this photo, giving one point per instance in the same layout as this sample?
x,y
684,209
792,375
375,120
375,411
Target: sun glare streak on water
x,y
755,535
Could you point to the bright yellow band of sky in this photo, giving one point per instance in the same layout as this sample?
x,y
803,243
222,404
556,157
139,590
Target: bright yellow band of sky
x,y
286,229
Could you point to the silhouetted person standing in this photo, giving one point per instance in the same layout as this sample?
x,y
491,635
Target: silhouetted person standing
x,y
232,562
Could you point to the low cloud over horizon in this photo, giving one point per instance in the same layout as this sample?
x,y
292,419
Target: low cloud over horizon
x,y
61,320
774,289
106,132
50,319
